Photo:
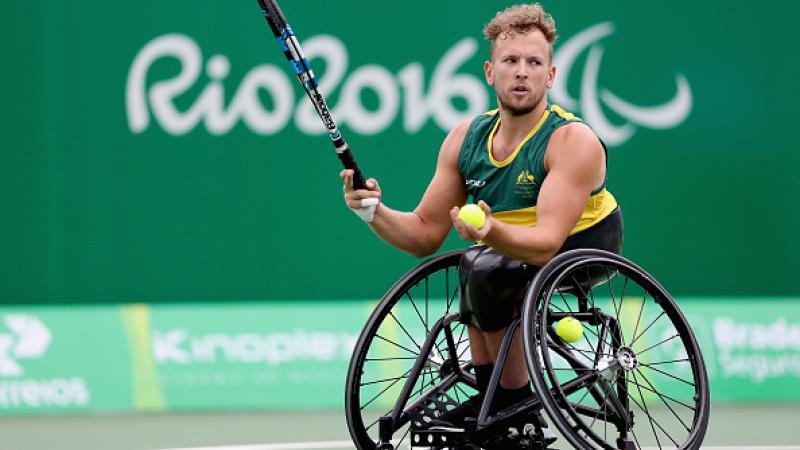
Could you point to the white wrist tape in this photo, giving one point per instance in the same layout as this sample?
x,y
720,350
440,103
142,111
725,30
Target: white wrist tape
x,y
367,210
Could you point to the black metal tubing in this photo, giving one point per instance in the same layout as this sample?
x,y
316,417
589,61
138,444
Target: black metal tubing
x,y
494,380
424,352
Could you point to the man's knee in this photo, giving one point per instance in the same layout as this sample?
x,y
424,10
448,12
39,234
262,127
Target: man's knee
x,y
492,287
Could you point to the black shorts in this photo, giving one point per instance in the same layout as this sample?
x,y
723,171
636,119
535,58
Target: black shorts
x,y
493,285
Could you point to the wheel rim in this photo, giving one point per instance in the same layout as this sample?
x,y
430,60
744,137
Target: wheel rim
x,y
655,368
390,344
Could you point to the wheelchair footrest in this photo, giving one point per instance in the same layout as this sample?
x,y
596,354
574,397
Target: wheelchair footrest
x,y
437,438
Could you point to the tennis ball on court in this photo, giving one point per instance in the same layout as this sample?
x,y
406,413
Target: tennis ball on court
x,y
472,214
569,329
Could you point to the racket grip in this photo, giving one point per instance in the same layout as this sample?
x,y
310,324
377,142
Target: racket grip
x,y
350,163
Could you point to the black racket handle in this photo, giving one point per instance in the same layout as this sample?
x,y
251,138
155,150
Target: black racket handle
x,y
346,157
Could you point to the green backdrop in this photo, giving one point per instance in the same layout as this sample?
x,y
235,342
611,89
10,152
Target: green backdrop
x,y
125,177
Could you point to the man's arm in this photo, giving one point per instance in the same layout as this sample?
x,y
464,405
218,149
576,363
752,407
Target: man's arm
x,y
422,231
575,161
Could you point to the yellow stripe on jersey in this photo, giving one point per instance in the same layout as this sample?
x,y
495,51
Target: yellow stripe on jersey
x,y
510,159
563,114
597,208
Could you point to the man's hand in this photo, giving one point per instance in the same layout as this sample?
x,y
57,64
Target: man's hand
x,y
363,202
469,232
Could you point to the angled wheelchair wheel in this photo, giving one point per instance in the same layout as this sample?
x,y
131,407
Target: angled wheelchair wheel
x,y
412,360
635,378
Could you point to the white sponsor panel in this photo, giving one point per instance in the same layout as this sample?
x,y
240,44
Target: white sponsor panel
x,y
34,393
757,351
178,346
28,338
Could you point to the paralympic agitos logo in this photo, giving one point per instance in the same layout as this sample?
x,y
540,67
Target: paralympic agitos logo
x,y
406,93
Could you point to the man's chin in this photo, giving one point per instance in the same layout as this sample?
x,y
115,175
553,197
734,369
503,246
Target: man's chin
x,y
518,110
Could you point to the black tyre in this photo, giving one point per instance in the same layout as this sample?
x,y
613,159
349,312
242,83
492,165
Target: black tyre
x,y
390,344
636,378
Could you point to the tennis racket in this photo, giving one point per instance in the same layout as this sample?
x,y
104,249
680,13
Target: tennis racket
x,y
294,53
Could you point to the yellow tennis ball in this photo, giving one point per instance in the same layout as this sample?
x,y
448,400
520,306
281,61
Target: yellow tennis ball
x,y
569,329
472,214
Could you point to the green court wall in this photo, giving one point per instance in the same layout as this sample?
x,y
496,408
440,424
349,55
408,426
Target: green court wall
x,y
162,151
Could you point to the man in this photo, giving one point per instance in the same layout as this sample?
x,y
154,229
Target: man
x,y
539,174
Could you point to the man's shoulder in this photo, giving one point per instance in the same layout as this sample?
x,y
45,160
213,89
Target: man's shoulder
x,y
575,135
470,125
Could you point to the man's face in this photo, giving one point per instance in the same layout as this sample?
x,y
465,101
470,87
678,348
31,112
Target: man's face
x,y
520,71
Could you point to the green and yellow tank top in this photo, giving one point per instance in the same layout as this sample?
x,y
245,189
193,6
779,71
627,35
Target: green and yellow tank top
x,y
511,187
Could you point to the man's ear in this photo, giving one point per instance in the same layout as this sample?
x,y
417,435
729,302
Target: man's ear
x,y
488,70
551,75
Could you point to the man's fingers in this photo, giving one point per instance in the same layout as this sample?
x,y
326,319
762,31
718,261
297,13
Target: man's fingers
x,y
459,225
347,178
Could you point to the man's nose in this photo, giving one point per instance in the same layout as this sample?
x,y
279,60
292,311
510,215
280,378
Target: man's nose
x,y
521,72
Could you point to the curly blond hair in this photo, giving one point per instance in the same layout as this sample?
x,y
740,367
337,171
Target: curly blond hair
x,y
521,19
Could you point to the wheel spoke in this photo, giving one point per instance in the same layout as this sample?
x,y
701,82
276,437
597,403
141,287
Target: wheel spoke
x,y
589,286
578,285
643,407
447,289
414,304
657,424
405,331
386,380
580,401
461,339
565,301
667,405
427,301
668,374
656,345
382,391
617,307
394,358
636,338
627,420
641,311
396,344
663,395
672,361
399,443
605,402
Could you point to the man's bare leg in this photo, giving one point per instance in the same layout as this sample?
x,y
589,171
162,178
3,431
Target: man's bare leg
x,y
515,372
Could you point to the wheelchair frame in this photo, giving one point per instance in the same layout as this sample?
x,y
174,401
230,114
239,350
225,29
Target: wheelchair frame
x,y
605,379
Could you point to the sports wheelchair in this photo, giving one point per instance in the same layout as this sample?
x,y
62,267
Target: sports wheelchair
x,y
635,379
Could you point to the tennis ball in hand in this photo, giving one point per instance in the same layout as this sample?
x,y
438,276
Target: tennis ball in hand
x,y
472,214
569,329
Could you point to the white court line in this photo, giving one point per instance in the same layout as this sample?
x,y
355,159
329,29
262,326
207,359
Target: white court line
x,y
284,446
349,444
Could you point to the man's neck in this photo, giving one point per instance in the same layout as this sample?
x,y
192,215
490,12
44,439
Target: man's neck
x,y
515,128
